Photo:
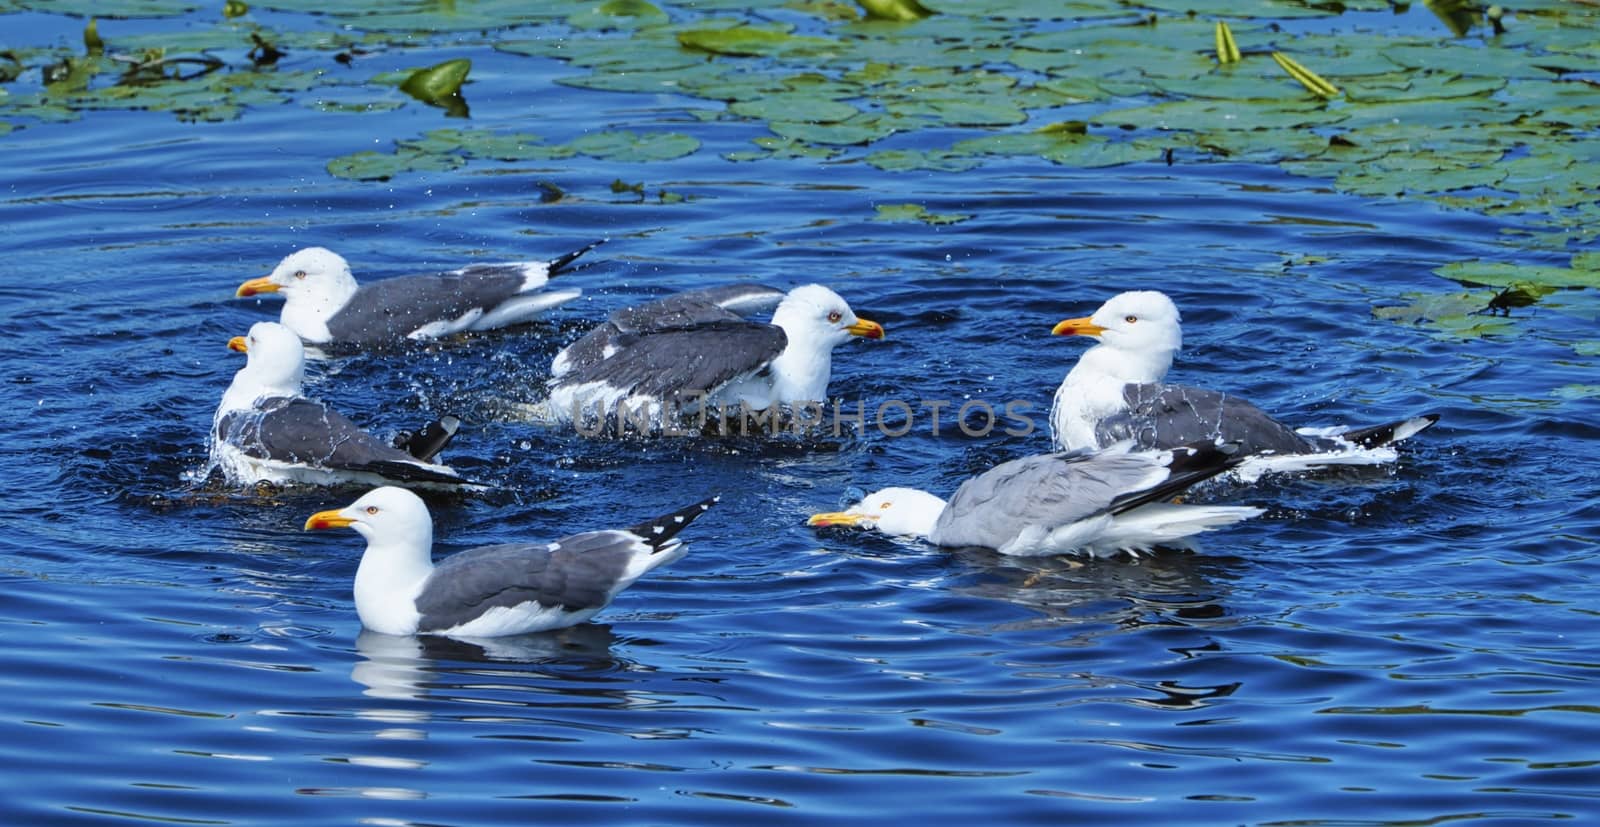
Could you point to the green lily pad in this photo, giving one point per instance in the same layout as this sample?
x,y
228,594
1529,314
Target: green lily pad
x,y
381,166
435,83
618,14
903,11
916,212
634,147
773,148
1456,315
795,107
749,41
1502,274
904,160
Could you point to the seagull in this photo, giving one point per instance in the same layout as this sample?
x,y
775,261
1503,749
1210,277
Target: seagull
x,y
266,431
324,305
1116,392
1096,502
492,591
692,350
727,303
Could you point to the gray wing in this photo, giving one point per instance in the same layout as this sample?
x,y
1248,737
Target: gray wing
x,y
578,572
391,309
307,432
680,311
678,363
1046,490
1167,416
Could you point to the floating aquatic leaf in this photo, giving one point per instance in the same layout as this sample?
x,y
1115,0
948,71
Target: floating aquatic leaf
x,y
902,160
619,14
436,83
1458,15
1227,49
916,212
861,129
1313,82
1456,315
624,146
903,11
381,166
774,148
749,41
235,8
91,38
795,107
1211,116
1503,274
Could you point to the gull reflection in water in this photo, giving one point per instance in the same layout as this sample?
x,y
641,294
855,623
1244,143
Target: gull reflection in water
x,y
406,667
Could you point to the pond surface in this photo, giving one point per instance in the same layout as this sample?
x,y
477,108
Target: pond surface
x,y
1409,644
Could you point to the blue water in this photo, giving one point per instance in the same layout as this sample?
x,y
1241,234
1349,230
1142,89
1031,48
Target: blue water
x,y
1413,644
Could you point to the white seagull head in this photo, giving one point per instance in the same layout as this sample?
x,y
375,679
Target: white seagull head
x,y
275,365
813,313
315,283
389,517
1139,333
815,320
900,512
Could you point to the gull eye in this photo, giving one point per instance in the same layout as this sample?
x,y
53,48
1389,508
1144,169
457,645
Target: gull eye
x,y
372,509
834,317
1130,319
299,274
884,506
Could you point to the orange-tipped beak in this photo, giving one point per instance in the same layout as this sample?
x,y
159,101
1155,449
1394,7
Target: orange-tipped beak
x,y
254,286
866,328
239,344
836,518
1077,327
327,519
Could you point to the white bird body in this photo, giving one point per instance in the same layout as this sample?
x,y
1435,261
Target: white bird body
x,y
700,354
266,430
1117,391
1095,503
323,303
491,591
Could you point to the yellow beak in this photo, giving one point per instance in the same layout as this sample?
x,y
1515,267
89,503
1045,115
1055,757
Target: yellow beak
x,y
332,518
254,286
837,518
239,344
1077,327
867,328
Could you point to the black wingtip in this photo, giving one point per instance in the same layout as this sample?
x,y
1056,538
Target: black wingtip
x,y
560,265
426,443
1378,436
406,472
1191,464
660,531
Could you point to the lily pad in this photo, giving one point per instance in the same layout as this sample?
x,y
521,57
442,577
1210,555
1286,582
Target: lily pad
x,y
634,147
381,166
749,41
903,160
618,14
916,212
1502,274
435,83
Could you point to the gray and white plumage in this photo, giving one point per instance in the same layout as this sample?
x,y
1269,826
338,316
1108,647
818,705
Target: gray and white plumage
x,y
679,311
695,349
1097,502
1116,391
323,304
264,430
492,591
